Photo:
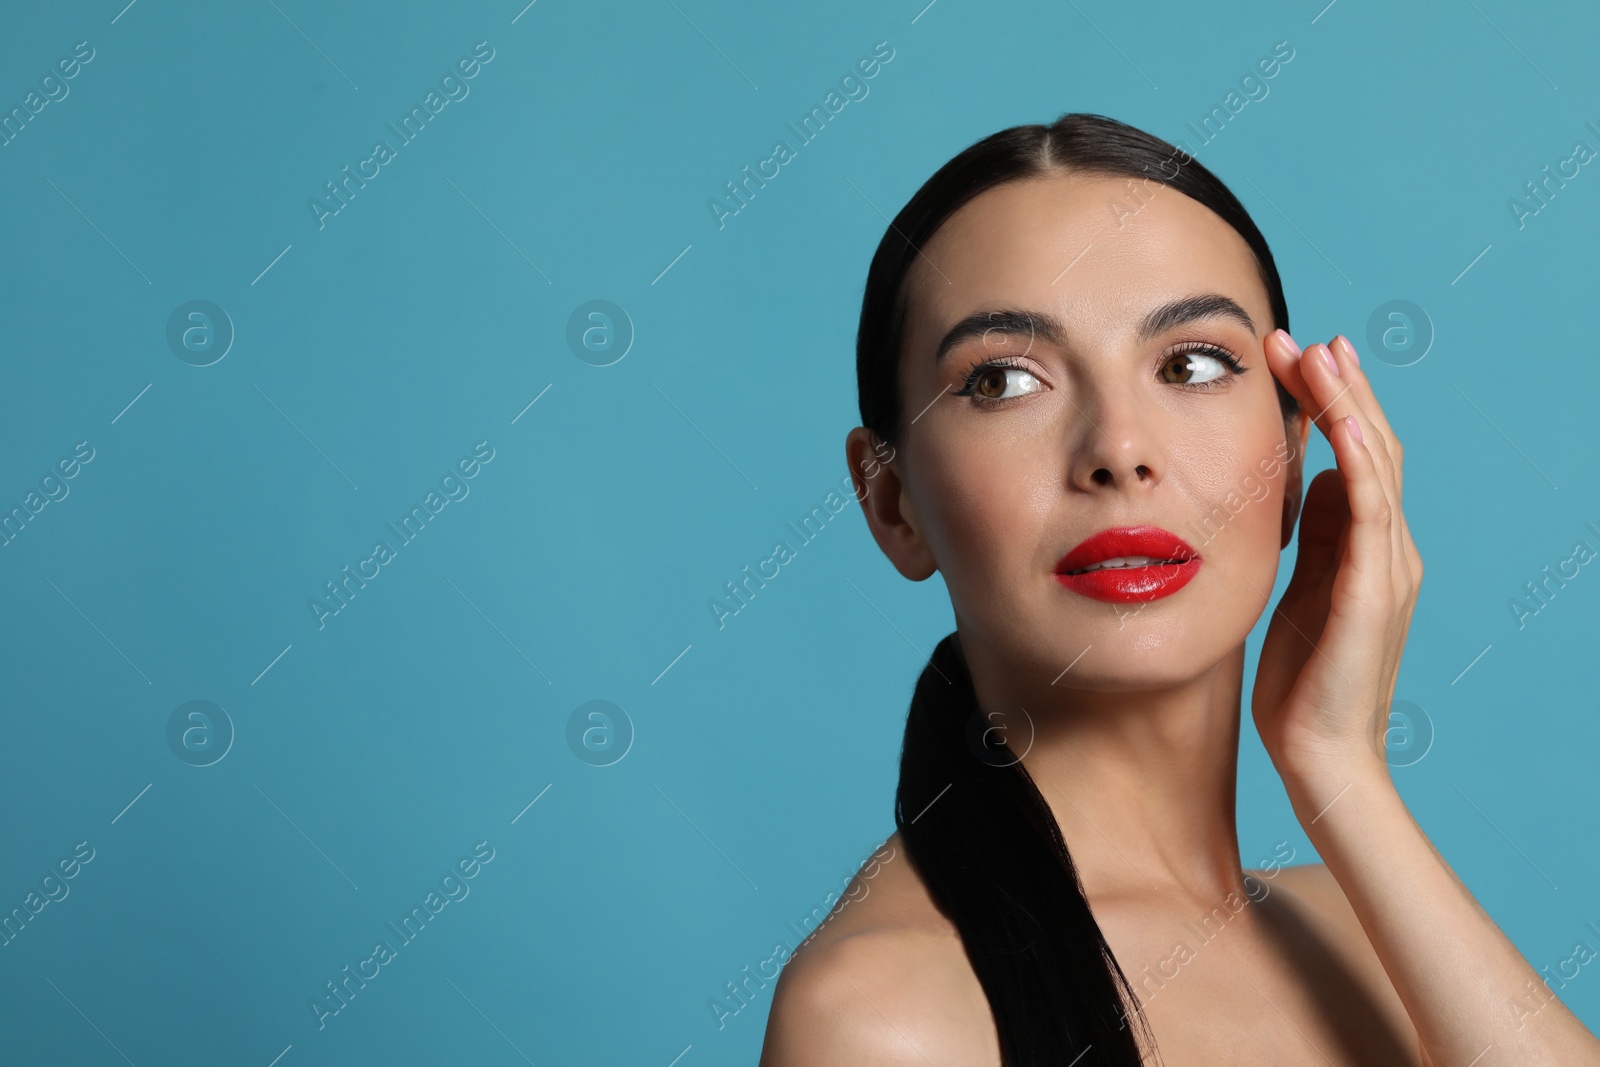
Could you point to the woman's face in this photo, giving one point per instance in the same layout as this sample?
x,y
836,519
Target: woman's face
x,y
1106,411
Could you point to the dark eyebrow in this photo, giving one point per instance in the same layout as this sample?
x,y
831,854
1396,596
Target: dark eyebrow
x,y
1035,324
1043,326
1190,308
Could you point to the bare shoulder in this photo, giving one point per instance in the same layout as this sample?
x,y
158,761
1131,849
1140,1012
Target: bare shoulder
x,y
1319,902
1316,897
884,979
1314,886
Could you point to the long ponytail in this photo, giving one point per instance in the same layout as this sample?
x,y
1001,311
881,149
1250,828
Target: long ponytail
x,y
991,854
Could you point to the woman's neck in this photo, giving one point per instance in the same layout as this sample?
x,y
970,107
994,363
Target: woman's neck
x,y
1142,783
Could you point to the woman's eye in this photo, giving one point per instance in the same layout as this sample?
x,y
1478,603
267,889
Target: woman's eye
x,y
988,383
1194,368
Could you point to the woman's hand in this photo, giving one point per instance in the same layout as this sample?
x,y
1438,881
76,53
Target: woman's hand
x,y
1332,651
1321,703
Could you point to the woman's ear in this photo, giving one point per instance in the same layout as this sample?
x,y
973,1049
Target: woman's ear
x,y
875,472
1296,431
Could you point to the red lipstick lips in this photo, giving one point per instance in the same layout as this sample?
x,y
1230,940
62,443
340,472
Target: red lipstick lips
x,y
1146,563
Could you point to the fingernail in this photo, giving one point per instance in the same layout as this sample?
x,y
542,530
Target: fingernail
x,y
1333,364
1355,428
1350,348
1288,341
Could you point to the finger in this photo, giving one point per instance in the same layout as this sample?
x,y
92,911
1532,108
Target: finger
x,y
1387,454
1354,387
1309,377
1391,451
1338,398
1362,386
1331,396
1283,360
1372,512
1339,403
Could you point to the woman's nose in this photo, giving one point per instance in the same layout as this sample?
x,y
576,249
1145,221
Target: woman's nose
x,y
1117,441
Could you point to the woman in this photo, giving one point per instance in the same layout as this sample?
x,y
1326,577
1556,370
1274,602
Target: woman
x,y
1081,406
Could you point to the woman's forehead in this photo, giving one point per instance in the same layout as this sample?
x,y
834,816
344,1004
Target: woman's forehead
x,y
1096,251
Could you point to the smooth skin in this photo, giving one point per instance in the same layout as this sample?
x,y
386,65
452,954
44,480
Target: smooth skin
x,y
1379,955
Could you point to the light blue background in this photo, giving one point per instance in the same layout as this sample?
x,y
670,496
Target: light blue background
x,y
430,312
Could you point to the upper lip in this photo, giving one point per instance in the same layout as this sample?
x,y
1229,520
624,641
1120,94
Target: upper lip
x,y
1151,541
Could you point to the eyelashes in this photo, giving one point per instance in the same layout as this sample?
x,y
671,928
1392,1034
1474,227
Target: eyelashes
x,y
1004,364
1205,348
970,382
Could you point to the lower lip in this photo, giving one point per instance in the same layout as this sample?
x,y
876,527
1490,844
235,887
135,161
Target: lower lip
x,y
1132,585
